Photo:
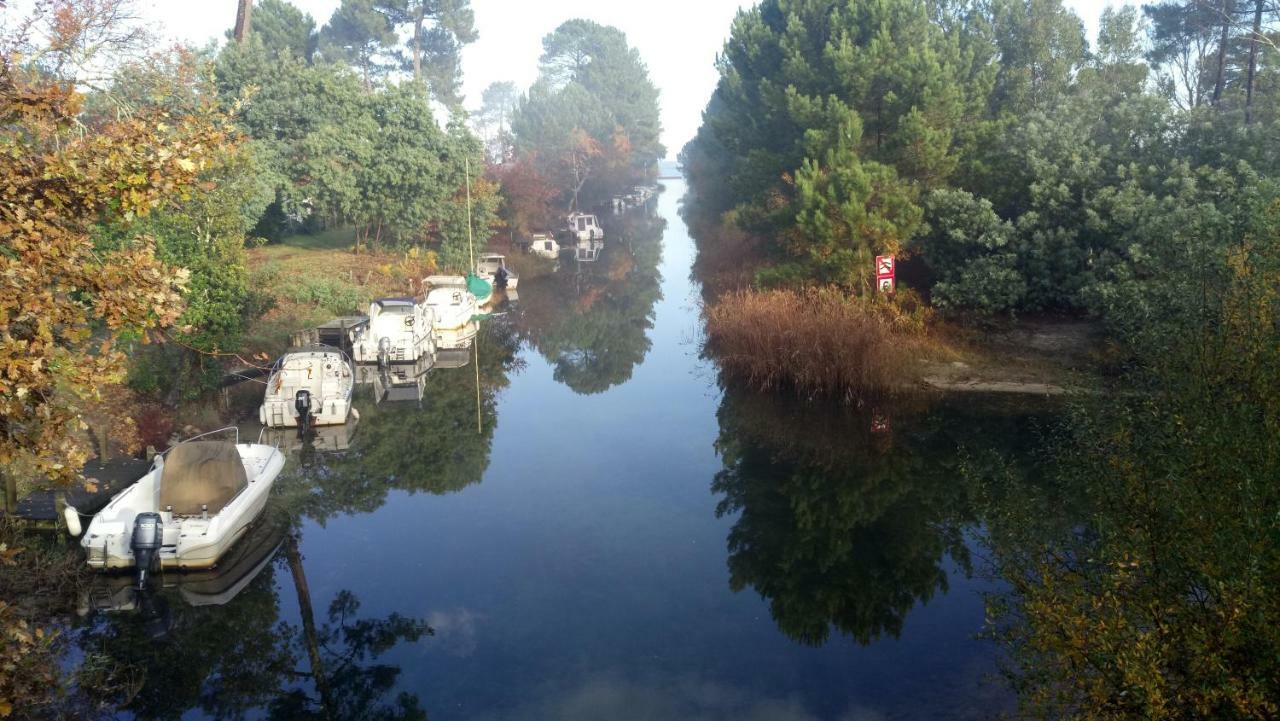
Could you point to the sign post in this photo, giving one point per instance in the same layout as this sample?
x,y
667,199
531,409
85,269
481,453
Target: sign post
x,y
885,274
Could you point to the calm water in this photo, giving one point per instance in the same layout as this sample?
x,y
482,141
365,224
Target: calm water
x,y
624,539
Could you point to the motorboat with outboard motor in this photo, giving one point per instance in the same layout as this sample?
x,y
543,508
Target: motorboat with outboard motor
x,y
192,506
398,331
308,387
454,311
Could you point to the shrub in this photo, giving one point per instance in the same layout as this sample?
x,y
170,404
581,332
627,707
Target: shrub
x,y
816,341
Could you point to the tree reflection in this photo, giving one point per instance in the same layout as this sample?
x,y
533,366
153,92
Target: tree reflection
x,y
591,320
168,657
846,517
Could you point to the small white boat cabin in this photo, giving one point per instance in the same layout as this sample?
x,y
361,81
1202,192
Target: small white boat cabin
x,y
585,226
544,245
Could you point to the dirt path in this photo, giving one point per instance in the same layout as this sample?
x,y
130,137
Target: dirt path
x,y
1043,357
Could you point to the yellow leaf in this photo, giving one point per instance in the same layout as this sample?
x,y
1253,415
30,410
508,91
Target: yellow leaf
x,y
186,164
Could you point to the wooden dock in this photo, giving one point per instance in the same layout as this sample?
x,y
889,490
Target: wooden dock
x,y
43,508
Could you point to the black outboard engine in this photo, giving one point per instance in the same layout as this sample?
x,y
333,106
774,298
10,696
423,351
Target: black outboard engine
x,y
148,536
500,278
384,351
302,404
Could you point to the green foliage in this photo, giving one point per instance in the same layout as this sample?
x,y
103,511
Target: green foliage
x,y
376,160
1048,174
591,122
284,29
1155,598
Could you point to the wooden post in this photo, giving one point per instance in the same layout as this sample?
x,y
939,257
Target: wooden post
x,y
104,446
243,9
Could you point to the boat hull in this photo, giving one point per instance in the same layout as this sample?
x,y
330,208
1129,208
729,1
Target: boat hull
x,y
188,542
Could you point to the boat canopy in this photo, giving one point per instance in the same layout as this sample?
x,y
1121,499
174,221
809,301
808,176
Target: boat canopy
x,y
201,473
478,286
394,302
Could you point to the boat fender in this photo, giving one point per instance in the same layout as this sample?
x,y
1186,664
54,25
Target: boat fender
x,y
148,535
72,517
355,413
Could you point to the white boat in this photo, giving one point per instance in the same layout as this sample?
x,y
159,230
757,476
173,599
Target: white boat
x,y
544,245
197,500
492,267
308,387
584,226
398,331
453,310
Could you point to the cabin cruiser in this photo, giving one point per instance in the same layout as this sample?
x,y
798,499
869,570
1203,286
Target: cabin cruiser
x,y
584,226
197,500
398,331
453,310
308,387
492,267
544,245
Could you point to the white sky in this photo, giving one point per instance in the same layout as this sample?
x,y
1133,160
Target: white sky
x,y
678,39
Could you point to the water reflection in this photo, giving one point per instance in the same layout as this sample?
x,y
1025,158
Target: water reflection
x,y
590,319
847,518
217,643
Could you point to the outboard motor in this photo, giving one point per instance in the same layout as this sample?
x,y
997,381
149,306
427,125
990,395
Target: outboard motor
x,y
148,536
384,351
500,278
302,404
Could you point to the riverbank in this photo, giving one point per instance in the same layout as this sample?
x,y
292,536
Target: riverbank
x,y
823,342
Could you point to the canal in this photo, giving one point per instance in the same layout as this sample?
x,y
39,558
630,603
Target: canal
x,y
614,535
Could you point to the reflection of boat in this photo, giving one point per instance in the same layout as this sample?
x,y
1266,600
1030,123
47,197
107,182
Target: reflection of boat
x,y
308,386
454,308
453,358
322,438
398,331
588,251
398,381
213,587
493,268
198,498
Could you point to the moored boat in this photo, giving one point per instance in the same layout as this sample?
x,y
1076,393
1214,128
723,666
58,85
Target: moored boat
x,y
453,308
399,331
308,387
492,267
197,500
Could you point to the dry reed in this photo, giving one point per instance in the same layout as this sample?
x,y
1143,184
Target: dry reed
x,y
819,342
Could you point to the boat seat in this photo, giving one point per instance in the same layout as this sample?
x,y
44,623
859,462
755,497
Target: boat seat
x,y
201,473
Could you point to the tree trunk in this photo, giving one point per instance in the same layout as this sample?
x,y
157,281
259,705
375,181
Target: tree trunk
x,y
243,10
1253,61
417,43
1220,79
308,623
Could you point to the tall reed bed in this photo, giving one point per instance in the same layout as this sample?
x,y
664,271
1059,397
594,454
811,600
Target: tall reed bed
x,y
818,342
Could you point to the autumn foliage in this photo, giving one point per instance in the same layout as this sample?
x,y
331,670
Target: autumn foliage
x,y
68,305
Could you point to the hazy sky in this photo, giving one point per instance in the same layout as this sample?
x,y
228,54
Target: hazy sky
x,y
678,39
